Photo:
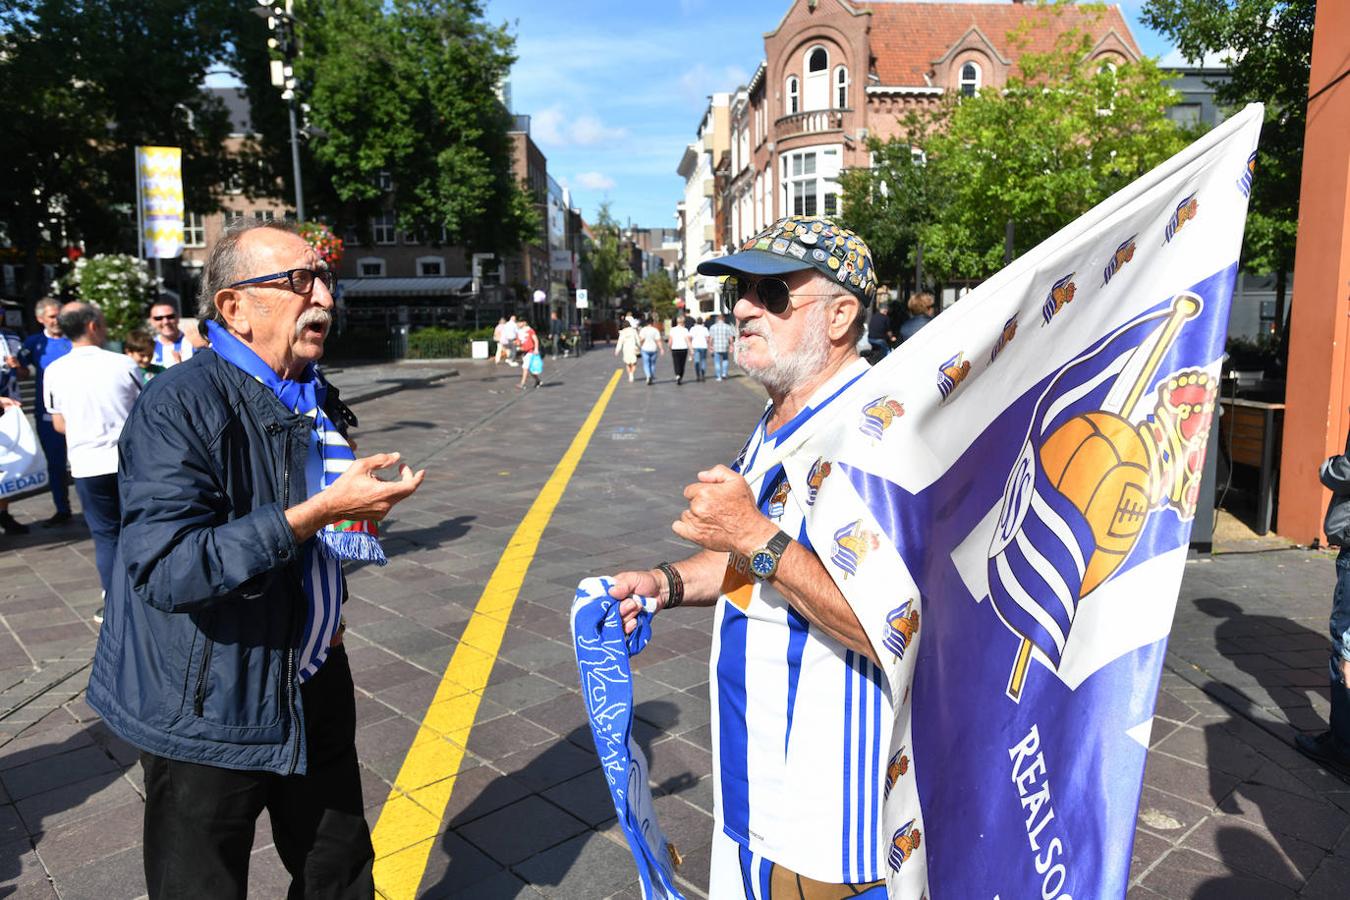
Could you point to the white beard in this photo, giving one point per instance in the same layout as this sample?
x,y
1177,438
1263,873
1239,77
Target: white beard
x,y
785,372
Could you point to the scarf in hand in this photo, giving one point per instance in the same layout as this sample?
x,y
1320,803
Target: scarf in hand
x,y
346,539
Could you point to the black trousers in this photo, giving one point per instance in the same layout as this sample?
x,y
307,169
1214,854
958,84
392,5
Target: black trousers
x,y
199,820
679,357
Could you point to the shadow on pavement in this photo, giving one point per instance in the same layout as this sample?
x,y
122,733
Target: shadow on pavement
x,y
535,820
451,529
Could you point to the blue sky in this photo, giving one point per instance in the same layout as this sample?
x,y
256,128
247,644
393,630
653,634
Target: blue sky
x,y
616,89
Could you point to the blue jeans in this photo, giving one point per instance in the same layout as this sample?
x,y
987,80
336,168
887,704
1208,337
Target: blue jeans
x,y
54,448
700,362
1340,650
103,514
880,348
649,363
721,360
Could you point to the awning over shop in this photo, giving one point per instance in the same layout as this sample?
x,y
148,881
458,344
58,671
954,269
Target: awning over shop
x,y
427,286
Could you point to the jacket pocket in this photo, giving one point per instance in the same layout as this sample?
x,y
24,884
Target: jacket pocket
x,y
234,689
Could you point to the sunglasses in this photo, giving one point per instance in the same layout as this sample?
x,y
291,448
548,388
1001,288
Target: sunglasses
x,y
301,281
169,318
773,293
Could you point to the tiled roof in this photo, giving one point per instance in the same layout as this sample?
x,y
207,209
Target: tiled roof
x,y
906,38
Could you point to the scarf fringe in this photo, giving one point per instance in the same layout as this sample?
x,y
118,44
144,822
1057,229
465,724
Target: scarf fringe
x,y
353,545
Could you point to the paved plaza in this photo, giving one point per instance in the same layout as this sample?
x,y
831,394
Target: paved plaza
x,y
515,806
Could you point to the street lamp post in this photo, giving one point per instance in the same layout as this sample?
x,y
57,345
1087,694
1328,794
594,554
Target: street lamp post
x,y
281,23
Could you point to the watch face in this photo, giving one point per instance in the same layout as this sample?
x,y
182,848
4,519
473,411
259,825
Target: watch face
x,y
763,563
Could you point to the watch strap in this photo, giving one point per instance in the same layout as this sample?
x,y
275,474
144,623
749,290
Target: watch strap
x,y
779,543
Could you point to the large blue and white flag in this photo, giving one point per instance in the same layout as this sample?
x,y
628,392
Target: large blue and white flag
x,y
1032,491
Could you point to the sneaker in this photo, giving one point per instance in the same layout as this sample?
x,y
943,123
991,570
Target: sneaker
x,y
11,525
56,520
98,616
1322,748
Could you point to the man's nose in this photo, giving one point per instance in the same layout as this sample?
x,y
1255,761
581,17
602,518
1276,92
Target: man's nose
x,y
321,295
746,309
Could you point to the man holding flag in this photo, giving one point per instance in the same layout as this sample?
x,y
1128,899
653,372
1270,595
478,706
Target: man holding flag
x,y
1016,485
221,652
802,710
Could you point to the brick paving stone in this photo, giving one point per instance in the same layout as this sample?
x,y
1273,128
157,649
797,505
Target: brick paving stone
x,y
588,865
517,832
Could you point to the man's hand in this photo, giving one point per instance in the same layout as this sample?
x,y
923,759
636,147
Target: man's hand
x,y
722,514
358,494
628,586
8,403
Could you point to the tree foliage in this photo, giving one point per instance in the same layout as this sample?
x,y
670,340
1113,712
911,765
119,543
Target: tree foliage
x,y
1060,138
657,293
119,285
889,203
82,83
605,262
1267,46
408,88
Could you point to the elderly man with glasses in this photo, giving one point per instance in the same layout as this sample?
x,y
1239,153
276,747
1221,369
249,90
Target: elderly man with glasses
x,y
801,711
221,652
172,346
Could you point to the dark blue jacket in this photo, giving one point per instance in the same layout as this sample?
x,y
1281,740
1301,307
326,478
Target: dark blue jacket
x,y
196,658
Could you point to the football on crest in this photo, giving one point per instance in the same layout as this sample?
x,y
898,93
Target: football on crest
x,y
1098,461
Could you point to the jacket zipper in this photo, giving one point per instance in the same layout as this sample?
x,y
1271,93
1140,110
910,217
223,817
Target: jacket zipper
x,y
199,700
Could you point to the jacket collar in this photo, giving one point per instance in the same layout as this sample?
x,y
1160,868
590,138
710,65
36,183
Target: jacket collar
x,y
257,396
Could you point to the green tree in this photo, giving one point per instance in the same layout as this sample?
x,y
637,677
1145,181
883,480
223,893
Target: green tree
x,y
408,88
889,202
1059,139
604,261
657,293
1267,46
82,83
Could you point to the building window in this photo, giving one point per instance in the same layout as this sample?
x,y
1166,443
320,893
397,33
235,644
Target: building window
x,y
970,79
801,184
431,265
194,230
264,215
841,87
794,97
382,228
817,60
370,267
809,182
384,181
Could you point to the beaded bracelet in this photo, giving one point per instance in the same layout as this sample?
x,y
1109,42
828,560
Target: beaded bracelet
x,y
674,583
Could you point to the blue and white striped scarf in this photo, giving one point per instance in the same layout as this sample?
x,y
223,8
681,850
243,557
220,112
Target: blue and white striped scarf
x,y
331,455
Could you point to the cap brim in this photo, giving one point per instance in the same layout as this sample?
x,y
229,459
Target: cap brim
x,y
752,262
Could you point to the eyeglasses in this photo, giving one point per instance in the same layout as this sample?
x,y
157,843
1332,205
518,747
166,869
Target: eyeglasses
x,y
301,281
773,293
169,318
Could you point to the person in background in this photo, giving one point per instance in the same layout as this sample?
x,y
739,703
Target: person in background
x,y
698,342
531,359
721,335
627,347
172,346
649,342
920,314
140,346
90,392
501,342
555,331
40,350
11,370
879,333
679,346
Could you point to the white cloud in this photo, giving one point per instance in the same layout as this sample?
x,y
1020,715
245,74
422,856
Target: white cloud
x,y
595,181
553,127
699,80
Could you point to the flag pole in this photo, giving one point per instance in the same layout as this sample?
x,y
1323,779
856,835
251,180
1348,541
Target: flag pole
x,y
1184,307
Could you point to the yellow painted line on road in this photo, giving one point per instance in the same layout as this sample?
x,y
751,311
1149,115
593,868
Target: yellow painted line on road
x,y
411,818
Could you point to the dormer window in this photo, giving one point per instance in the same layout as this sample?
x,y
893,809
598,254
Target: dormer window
x,y
794,96
970,79
841,87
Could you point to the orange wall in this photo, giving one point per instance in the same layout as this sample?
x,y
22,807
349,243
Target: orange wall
x,y
1319,379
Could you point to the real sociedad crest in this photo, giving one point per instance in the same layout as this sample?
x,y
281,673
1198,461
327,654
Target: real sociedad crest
x,y
951,373
1186,210
778,502
1061,294
877,416
1089,476
898,765
852,543
820,470
903,844
1244,183
902,623
1124,253
1005,338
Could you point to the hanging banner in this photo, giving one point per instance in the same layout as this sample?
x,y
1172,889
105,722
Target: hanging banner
x,y
159,191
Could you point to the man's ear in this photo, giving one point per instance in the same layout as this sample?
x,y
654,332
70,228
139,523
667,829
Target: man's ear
x,y
231,308
842,313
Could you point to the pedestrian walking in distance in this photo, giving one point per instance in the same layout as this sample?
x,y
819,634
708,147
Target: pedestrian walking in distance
x,y
626,347
679,347
40,350
721,336
531,355
649,342
698,343
222,656
783,624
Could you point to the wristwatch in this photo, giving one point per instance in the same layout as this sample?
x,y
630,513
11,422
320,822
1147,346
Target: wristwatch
x,y
764,561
